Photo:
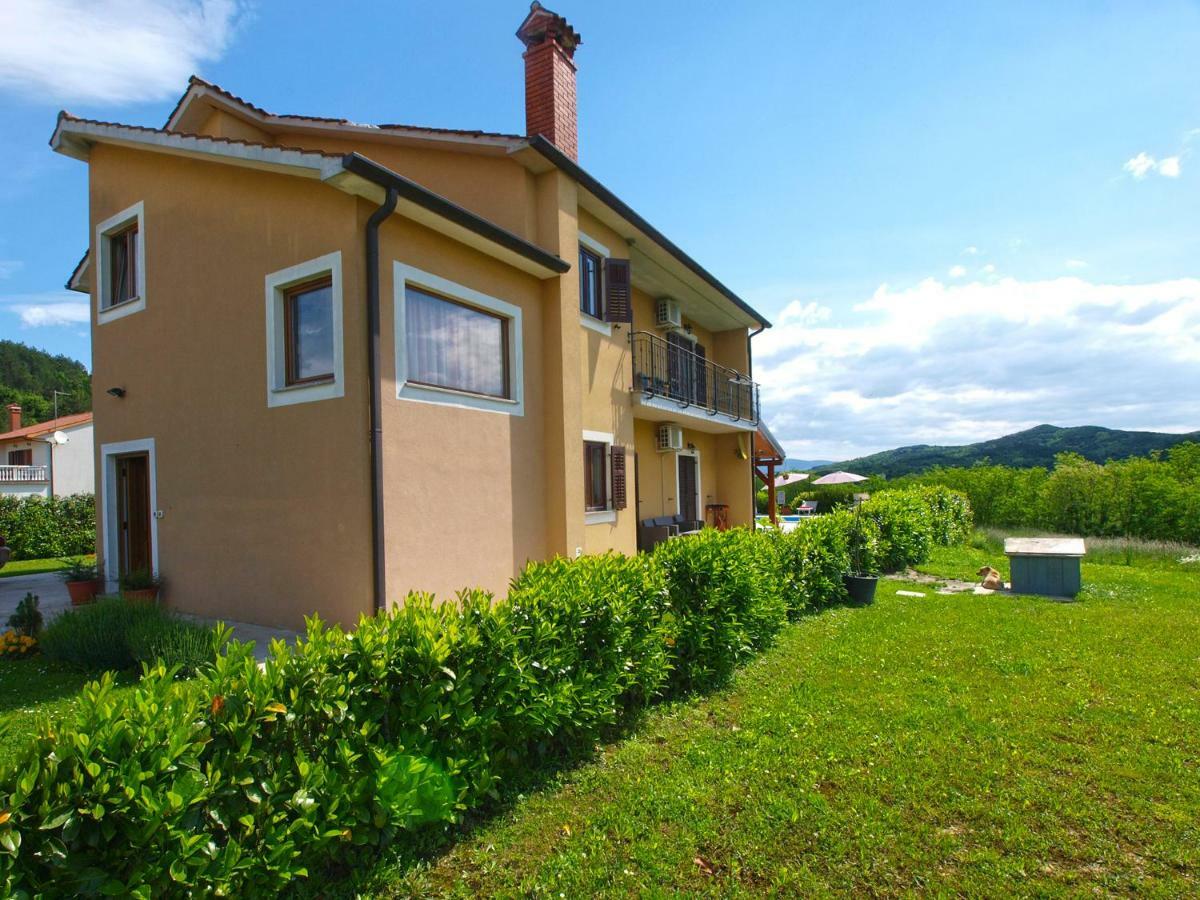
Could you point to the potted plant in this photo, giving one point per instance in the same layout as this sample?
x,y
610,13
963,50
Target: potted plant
x,y
140,586
83,580
863,577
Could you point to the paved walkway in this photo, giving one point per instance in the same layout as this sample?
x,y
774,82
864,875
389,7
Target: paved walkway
x,y
53,599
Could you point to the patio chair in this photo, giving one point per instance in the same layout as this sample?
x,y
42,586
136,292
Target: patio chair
x,y
654,531
685,526
807,508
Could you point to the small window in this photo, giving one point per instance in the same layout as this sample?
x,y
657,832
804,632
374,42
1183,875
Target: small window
x,y
308,315
454,346
595,475
20,457
305,356
591,298
122,266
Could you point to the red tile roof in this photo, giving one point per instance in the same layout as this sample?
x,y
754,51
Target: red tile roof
x,y
195,80
30,431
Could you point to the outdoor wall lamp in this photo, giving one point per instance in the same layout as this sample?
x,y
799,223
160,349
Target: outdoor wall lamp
x,y
116,392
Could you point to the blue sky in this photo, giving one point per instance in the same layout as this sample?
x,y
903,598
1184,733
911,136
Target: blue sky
x,y
965,218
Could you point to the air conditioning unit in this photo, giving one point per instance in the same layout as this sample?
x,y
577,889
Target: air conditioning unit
x,y
667,314
670,437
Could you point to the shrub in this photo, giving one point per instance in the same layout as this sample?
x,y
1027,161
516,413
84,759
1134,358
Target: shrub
x,y
112,634
40,528
26,619
823,557
905,528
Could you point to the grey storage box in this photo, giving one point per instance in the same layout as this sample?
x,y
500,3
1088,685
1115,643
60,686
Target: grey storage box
x,y
1047,566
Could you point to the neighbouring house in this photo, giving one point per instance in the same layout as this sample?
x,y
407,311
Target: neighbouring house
x,y
49,459
335,363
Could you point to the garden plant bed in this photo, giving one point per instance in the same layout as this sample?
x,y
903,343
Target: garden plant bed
x,y
959,745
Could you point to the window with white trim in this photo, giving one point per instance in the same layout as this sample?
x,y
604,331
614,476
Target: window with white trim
x,y
455,345
603,478
304,332
120,269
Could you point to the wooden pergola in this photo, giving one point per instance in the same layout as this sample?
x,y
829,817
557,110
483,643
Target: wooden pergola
x,y
768,455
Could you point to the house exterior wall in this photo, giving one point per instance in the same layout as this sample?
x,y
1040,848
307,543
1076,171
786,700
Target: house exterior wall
x,y
72,466
265,512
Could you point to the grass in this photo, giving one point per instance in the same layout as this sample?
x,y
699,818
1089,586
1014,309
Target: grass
x,y
967,745
35,566
32,687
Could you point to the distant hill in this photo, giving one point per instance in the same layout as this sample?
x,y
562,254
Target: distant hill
x,y
30,377
1034,447
803,465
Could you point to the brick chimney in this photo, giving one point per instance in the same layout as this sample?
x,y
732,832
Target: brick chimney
x,y
550,78
14,416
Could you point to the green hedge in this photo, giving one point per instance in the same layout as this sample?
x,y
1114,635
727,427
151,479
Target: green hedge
x,y
248,777
42,528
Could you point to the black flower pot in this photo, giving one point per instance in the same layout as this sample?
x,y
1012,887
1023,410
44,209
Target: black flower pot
x,y
861,588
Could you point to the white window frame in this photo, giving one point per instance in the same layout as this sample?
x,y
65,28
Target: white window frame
x,y
108,497
602,516
279,392
405,275
699,486
106,313
590,322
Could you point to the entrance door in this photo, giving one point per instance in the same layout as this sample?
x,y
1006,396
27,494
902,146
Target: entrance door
x,y
688,506
133,513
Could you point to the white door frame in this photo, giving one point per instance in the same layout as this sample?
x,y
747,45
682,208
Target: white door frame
x,y
108,495
699,492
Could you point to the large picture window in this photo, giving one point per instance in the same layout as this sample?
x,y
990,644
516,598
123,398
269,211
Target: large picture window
x,y
308,310
455,346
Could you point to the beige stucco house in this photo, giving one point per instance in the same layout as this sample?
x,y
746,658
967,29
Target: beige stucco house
x,y
334,363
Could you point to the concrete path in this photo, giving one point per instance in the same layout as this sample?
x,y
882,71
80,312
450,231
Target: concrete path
x,y
53,598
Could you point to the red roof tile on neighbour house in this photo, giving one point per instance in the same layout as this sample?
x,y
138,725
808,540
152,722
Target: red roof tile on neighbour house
x,y
31,431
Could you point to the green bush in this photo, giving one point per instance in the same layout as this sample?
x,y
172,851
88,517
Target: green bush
x,y
905,523
111,634
41,528
248,777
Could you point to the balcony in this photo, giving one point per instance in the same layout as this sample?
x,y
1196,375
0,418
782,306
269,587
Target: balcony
x,y
671,382
23,474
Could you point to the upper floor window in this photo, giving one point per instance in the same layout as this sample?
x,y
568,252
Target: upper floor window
x,y
120,255
20,457
455,346
591,297
308,314
304,332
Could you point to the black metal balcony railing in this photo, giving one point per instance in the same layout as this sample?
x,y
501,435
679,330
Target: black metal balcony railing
x,y
663,368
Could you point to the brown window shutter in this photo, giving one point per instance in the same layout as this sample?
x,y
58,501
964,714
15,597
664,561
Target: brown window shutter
x,y
618,290
618,477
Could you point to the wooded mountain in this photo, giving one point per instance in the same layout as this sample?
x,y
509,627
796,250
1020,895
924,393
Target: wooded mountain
x,y
1034,447
30,377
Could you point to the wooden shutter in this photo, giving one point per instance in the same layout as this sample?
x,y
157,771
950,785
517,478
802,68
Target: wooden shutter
x,y
618,291
618,477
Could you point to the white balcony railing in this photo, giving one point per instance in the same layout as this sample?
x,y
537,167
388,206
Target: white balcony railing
x,y
23,474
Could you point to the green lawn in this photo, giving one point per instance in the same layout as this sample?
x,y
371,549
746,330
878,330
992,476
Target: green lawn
x,y
965,745
35,566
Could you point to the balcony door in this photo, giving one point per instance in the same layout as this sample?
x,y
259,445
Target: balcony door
x,y
689,487
133,513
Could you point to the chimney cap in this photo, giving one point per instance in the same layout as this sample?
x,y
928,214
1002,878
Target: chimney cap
x,y
542,24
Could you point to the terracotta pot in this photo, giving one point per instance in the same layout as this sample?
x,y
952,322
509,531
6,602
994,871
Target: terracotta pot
x,y
143,595
82,592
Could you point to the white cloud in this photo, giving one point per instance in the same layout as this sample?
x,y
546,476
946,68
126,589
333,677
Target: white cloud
x,y
1143,164
1075,264
957,271
121,51
959,362
989,269
51,309
971,251
8,267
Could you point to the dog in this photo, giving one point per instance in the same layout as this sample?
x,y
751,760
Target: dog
x,y
991,578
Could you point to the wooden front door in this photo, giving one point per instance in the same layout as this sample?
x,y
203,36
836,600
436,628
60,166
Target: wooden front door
x,y
133,513
687,489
